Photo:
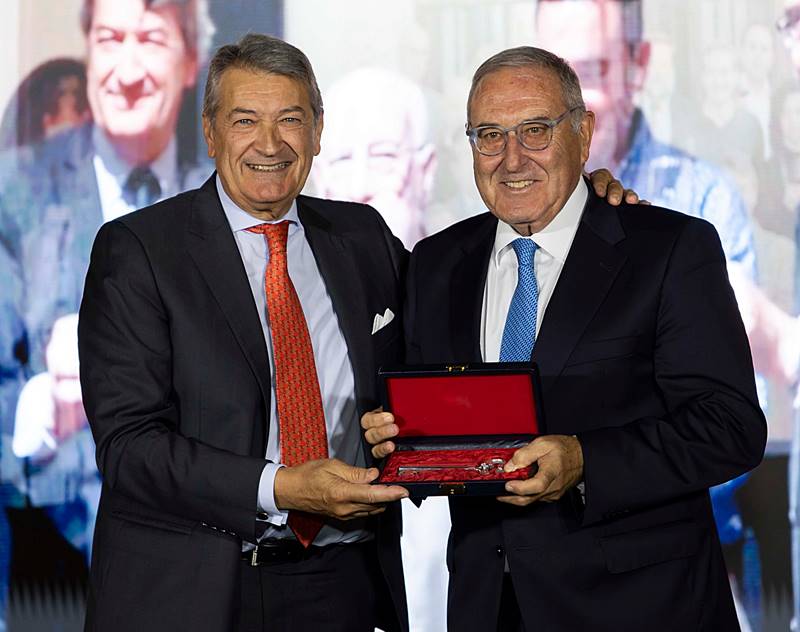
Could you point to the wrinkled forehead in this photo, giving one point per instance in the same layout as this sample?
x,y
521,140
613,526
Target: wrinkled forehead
x,y
579,30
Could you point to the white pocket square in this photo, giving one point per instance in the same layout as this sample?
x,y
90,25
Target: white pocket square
x,y
379,322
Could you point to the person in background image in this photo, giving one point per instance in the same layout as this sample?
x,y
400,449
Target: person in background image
x,y
603,41
756,60
141,58
52,432
788,26
724,127
50,100
378,149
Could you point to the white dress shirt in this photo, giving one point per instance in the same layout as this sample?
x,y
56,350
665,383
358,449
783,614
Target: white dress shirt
x,y
554,242
112,172
334,370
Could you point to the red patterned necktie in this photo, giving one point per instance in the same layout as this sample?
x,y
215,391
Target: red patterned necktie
x,y
302,420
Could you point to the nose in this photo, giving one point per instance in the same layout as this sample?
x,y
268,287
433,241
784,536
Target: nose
x,y
129,69
360,184
513,156
268,140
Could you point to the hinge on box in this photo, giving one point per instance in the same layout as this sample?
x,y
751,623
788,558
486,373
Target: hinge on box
x,y
451,368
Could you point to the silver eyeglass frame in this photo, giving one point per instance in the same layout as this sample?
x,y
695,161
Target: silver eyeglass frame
x,y
472,132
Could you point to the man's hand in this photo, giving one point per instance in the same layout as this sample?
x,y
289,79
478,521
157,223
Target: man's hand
x,y
379,428
332,488
560,461
607,186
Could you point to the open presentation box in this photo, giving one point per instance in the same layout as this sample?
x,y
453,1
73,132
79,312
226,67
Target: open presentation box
x,y
459,424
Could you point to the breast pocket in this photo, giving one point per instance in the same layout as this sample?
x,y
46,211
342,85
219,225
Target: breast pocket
x,y
607,349
644,547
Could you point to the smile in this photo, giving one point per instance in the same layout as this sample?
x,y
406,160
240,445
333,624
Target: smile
x,y
268,168
518,184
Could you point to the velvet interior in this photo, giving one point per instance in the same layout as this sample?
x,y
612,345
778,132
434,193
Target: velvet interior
x,y
448,459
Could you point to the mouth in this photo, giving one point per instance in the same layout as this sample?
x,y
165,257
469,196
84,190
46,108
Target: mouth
x,y
518,185
280,166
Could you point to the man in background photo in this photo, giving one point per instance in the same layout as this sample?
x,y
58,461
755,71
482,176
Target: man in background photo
x,y
378,149
142,57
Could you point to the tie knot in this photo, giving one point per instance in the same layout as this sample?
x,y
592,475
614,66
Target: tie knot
x,y
275,234
141,188
525,249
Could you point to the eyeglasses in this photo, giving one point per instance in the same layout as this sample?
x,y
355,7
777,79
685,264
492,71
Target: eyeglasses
x,y
533,134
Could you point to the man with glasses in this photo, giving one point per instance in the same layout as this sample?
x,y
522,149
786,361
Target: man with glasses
x,y
647,382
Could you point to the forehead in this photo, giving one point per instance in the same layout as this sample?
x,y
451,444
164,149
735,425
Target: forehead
x,y
134,14
578,29
261,91
509,95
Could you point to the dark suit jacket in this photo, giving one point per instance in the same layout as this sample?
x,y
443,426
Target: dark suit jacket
x,y
50,211
176,379
644,357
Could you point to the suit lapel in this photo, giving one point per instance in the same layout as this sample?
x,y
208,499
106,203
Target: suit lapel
x,y
589,271
333,253
466,299
213,249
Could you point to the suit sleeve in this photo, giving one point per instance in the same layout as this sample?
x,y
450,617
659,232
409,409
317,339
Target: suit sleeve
x,y
126,361
714,429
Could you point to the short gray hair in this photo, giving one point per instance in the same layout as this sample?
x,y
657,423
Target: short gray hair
x,y
532,57
266,54
196,25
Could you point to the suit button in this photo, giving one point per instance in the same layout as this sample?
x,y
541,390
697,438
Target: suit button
x,y
499,550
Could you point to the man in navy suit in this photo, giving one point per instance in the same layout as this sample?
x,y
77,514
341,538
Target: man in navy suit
x,y
647,380
192,391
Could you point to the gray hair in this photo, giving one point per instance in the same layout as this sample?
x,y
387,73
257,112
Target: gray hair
x,y
261,53
531,57
195,21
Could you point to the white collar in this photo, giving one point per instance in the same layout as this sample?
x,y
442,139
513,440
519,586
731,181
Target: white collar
x,y
556,238
239,219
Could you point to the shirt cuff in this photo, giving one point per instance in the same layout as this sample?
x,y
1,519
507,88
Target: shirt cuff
x,y
266,497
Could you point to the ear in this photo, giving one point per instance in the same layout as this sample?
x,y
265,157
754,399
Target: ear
x,y
585,132
208,134
318,133
637,66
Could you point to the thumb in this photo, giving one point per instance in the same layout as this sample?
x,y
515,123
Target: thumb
x,y
358,475
523,457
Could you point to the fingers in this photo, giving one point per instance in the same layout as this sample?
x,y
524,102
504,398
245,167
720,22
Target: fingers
x,y
526,455
383,449
560,467
600,179
631,197
379,427
353,474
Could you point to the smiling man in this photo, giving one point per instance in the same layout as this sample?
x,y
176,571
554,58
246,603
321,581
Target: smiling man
x,y
647,383
141,57
228,344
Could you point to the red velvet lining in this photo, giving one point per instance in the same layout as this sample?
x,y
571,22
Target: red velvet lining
x,y
448,458
440,406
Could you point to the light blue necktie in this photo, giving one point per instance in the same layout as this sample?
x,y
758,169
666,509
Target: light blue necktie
x,y
520,330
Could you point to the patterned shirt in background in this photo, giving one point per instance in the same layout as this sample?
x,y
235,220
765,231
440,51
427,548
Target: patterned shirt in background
x,y
669,177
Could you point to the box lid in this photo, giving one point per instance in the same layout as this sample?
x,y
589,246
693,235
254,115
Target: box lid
x,y
463,400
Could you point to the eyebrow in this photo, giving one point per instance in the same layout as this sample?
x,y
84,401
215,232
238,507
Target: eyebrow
x,y
531,119
241,110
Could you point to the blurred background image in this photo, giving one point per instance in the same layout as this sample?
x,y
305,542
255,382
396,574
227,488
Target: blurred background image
x,y
698,109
